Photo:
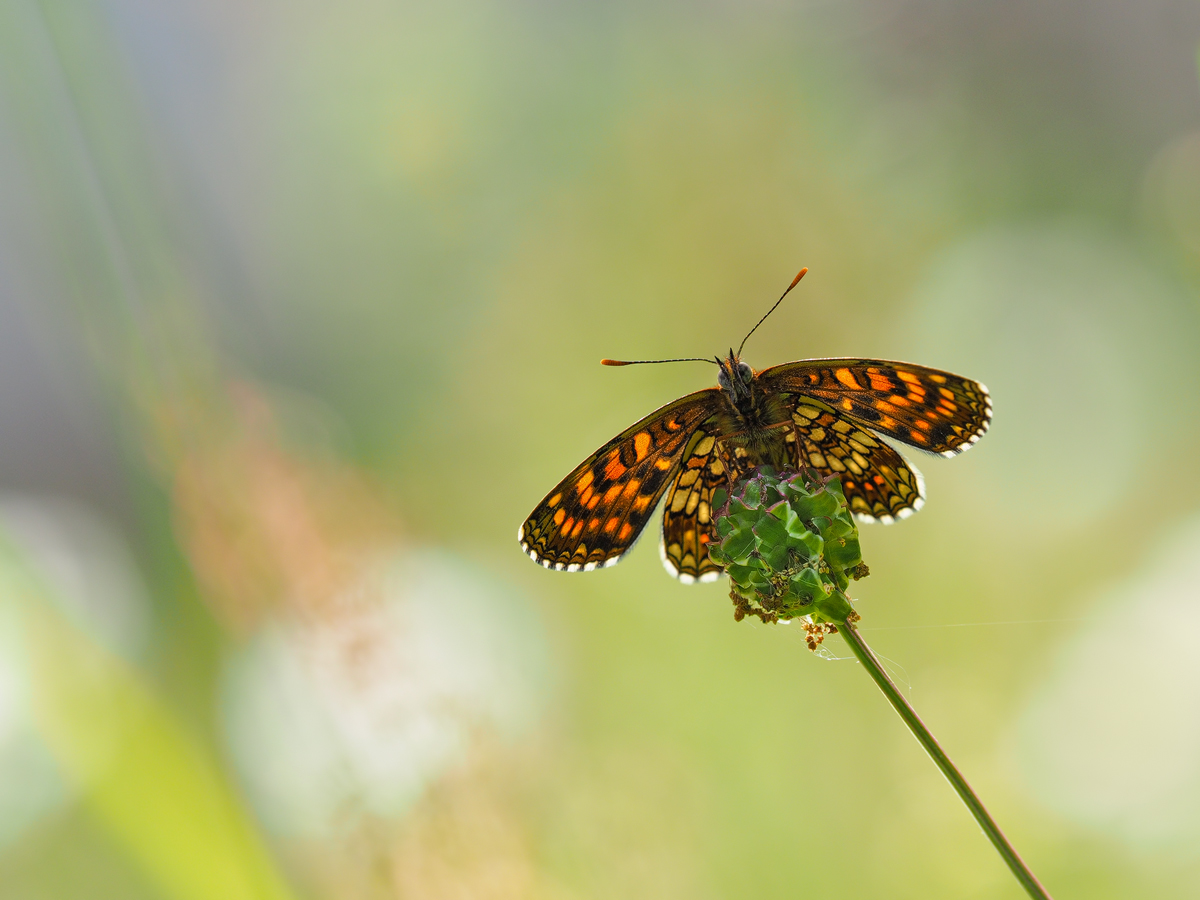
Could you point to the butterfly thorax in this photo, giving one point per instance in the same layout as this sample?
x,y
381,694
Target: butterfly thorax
x,y
756,424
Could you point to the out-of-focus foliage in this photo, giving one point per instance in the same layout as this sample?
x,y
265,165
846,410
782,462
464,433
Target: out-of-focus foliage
x,y
300,306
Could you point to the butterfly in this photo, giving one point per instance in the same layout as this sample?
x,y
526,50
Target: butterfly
x,y
834,416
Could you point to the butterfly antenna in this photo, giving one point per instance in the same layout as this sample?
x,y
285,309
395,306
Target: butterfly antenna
x,y
795,281
643,362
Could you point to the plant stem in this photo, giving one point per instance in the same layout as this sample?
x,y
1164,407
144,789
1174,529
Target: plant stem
x,y
869,661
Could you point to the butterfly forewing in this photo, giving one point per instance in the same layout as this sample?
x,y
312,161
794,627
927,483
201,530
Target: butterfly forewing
x,y
925,408
596,513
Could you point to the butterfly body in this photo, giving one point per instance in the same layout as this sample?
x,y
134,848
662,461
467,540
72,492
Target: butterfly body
x,y
831,415
756,427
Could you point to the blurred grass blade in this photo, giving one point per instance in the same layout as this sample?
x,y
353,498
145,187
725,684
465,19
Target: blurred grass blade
x,y
146,781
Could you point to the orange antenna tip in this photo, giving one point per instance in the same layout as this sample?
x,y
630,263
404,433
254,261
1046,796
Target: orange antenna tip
x,y
612,362
795,281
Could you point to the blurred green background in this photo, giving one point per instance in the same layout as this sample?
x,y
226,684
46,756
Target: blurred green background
x,y
301,306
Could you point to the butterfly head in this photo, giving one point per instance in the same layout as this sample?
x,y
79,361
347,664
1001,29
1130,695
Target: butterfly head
x,y
735,378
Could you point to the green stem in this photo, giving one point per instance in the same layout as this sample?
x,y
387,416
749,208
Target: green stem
x,y
869,661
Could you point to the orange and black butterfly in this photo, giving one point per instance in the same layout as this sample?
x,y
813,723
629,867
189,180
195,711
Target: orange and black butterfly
x,y
831,415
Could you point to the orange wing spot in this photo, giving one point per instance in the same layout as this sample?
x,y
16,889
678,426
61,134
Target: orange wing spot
x,y
611,494
595,499
559,516
938,379
918,437
908,377
847,405
846,377
662,464
882,383
567,525
671,425
611,525
948,408
947,393
577,529
878,479
705,538
696,462
884,406
899,401
631,488
923,425
553,501
615,469
585,496
641,444
593,524
626,531
584,480
642,502
887,422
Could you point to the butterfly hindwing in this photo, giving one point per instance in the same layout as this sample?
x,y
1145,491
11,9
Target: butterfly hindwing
x,y
879,484
596,513
687,527
925,408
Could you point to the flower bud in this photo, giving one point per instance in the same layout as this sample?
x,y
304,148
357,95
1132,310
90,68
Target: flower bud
x,y
789,544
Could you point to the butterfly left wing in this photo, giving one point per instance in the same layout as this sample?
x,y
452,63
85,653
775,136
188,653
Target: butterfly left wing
x,y
596,513
925,408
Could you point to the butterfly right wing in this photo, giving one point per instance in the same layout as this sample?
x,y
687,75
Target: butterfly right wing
x,y
596,513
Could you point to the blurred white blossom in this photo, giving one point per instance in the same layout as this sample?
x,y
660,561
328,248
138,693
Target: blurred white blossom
x,y
1112,739
355,712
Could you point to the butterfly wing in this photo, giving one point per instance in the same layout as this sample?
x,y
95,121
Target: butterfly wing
x,y
879,484
925,408
596,513
687,514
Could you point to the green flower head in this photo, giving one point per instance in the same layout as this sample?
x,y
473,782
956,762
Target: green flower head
x,y
790,547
